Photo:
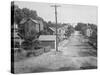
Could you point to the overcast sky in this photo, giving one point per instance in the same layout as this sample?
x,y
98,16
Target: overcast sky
x,y
66,13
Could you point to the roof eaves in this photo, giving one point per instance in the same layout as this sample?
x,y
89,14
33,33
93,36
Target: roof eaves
x,y
35,21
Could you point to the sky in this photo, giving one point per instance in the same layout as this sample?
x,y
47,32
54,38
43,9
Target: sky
x,y
66,13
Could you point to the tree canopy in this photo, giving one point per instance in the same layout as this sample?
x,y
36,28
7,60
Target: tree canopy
x,y
19,13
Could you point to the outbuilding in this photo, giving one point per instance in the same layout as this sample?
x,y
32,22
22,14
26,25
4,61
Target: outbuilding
x,y
48,40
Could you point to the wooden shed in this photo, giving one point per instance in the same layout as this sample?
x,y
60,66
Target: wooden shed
x,y
48,40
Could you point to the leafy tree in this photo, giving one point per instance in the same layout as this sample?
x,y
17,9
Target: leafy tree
x,y
80,26
69,31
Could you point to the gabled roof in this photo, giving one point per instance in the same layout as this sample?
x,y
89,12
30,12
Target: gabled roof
x,y
25,20
35,21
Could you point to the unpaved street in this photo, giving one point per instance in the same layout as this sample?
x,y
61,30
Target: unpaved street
x,y
74,54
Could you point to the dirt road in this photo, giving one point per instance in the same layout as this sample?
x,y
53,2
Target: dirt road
x,y
74,54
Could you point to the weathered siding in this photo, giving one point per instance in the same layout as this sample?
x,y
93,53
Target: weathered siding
x,y
48,43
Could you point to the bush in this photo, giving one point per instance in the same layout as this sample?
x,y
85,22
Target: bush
x,y
19,54
38,52
26,45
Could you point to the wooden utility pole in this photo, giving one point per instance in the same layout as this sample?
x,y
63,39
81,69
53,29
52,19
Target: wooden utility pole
x,y
55,6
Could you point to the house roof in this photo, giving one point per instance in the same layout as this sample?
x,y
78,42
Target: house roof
x,y
52,28
25,20
62,27
35,21
47,37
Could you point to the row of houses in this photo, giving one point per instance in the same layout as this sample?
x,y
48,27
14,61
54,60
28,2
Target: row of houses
x,y
31,24
61,31
37,25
